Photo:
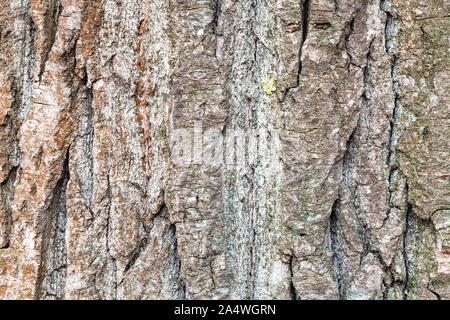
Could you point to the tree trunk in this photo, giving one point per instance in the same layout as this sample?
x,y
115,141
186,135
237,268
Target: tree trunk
x,y
224,149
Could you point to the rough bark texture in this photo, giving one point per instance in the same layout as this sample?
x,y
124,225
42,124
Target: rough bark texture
x,y
344,193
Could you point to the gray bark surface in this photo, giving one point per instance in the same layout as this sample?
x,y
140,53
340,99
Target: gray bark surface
x,y
337,109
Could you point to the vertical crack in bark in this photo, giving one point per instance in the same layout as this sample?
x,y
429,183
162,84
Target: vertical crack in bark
x,y
346,40
217,4
7,197
338,257
108,226
294,295
366,104
211,270
29,55
389,47
10,151
306,6
336,241
50,29
21,90
336,248
367,94
87,135
305,18
406,235
336,5
175,259
51,278
91,133
390,33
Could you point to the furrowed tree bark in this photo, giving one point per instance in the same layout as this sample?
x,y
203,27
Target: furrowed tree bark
x,y
338,110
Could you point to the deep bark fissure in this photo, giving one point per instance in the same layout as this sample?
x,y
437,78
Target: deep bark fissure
x,y
217,4
9,134
338,254
306,7
7,197
305,21
406,236
390,144
391,160
346,40
91,134
51,275
366,104
20,87
28,68
389,34
336,248
293,291
50,28
338,258
174,256
211,270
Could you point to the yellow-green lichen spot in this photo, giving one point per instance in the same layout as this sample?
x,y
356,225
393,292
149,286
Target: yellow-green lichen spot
x,y
269,85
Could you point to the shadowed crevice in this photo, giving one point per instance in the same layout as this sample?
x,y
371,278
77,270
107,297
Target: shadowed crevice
x,y
294,295
217,4
174,260
336,248
406,238
51,276
6,198
306,8
51,17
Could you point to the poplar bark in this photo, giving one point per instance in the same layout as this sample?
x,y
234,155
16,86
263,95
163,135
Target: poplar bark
x,y
342,194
